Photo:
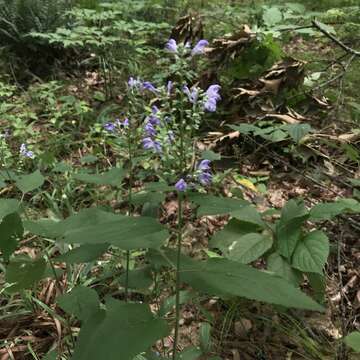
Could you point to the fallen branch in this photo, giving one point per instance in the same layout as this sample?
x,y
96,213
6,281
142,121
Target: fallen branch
x,y
335,39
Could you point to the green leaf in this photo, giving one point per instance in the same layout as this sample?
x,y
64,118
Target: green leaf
x,y
112,177
318,285
288,229
8,206
24,273
231,233
353,341
138,278
210,155
169,302
249,214
83,254
81,302
46,228
125,232
205,337
27,183
297,131
272,15
249,248
52,355
222,277
311,252
148,197
127,328
213,205
280,266
89,159
11,229
326,211
190,353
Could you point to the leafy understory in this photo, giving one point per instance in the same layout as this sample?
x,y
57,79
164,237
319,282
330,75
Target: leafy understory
x,y
179,187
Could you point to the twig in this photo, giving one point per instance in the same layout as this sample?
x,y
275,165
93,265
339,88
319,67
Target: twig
x,y
335,39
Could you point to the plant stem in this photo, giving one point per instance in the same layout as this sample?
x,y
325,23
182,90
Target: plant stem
x,y
180,225
177,296
131,180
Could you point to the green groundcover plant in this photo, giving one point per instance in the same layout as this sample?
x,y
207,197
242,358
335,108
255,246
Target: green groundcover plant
x,y
156,137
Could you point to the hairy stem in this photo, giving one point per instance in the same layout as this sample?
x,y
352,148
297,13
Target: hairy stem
x,y
177,289
179,239
131,180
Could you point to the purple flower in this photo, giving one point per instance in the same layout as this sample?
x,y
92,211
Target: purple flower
x,y
147,85
205,178
193,95
204,165
199,47
169,87
150,144
210,105
155,109
154,120
171,46
212,97
25,152
149,129
181,185
109,126
213,92
132,83
126,122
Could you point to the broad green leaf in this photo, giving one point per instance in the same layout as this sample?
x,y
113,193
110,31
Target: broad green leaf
x,y
83,254
158,186
169,302
81,302
326,211
297,131
52,355
125,232
205,337
112,177
46,228
210,155
280,266
214,205
24,273
27,183
224,277
355,182
148,197
353,340
272,15
231,233
54,229
318,285
191,353
250,215
124,328
89,159
138,278
249,247
311,252
8,206
11,229
288,228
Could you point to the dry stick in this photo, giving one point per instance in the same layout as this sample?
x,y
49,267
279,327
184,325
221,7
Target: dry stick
x,y
335,40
